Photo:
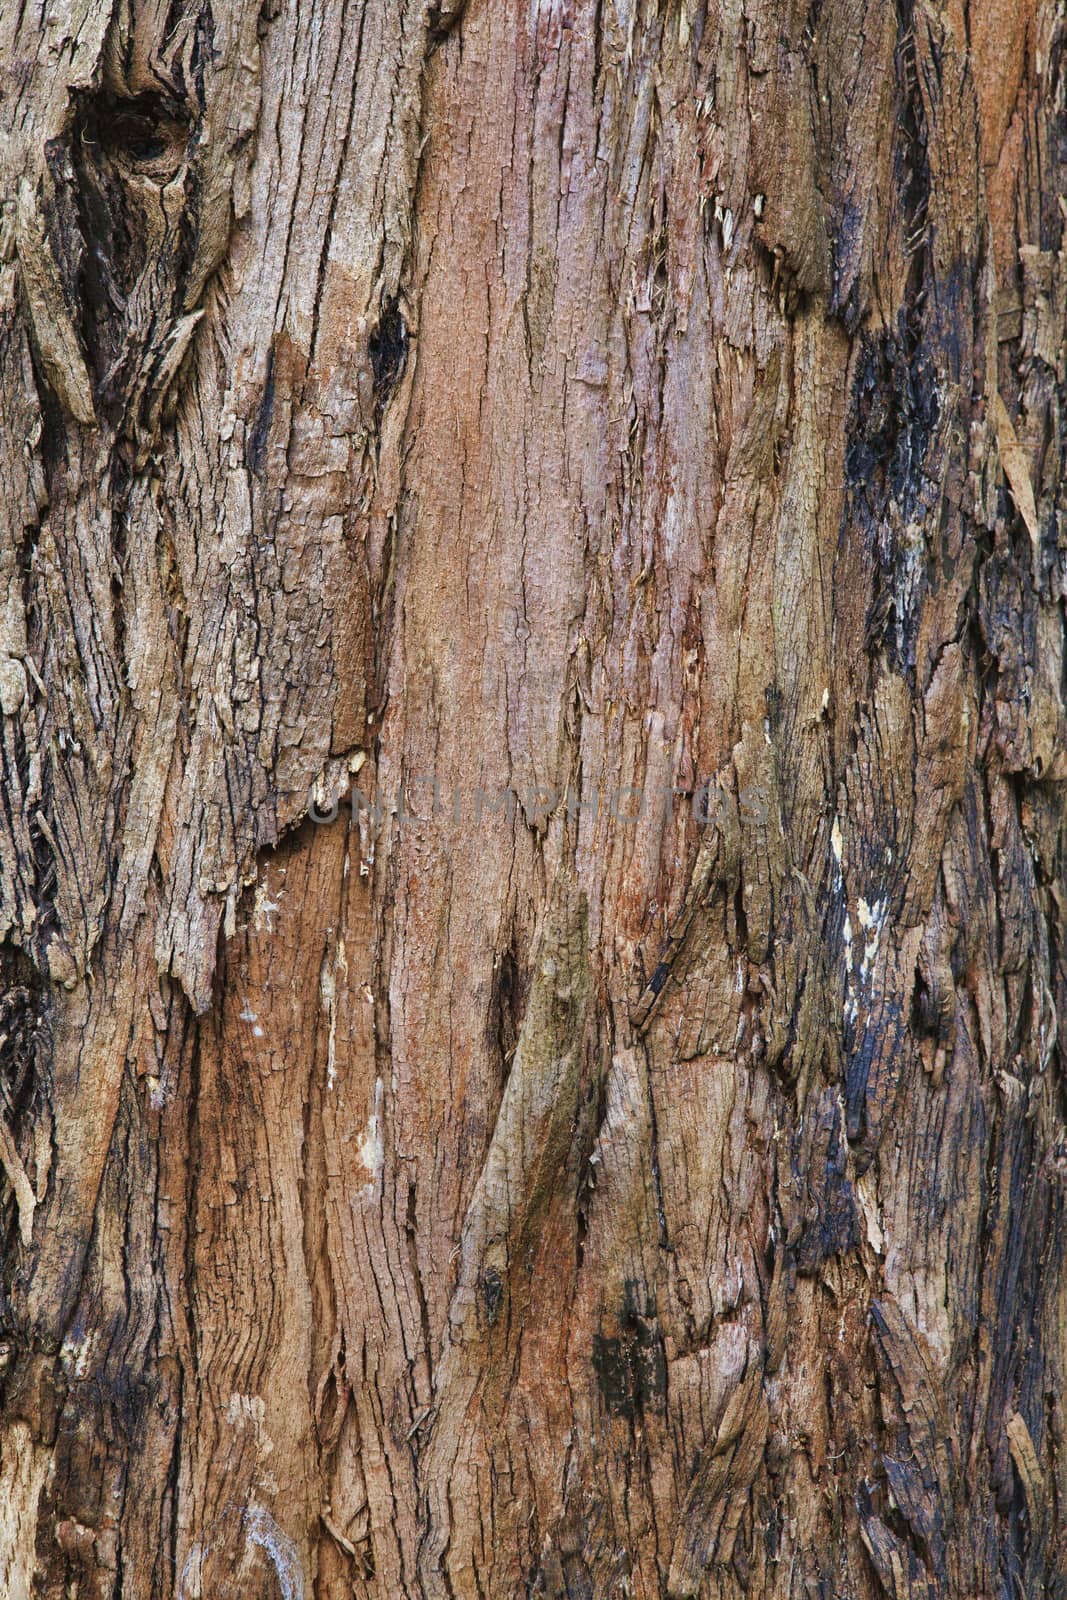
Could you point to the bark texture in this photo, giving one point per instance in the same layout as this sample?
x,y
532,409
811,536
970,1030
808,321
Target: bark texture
x,y
557,402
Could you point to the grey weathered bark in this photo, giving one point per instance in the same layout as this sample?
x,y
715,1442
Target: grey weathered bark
x,y
550,1197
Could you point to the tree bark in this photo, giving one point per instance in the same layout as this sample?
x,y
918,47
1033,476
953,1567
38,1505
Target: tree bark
x,y
608,457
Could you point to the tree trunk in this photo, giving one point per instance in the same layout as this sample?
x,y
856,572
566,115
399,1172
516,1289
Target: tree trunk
x,y
532,721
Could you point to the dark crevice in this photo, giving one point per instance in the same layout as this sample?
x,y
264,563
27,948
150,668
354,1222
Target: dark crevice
x,y
895,401
119,148
25,1093
507,1007
203,49
653,1155
121,482
388,351
52,445
25,1038
148,133
257,439
442,19
587,1172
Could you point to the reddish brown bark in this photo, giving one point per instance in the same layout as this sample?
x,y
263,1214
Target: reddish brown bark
x,y
609,458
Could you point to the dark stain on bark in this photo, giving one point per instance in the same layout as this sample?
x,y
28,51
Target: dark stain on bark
x,y
831,1223
895,411
631,1367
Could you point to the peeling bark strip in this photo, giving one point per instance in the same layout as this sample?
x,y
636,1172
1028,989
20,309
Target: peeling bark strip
x,y
559,399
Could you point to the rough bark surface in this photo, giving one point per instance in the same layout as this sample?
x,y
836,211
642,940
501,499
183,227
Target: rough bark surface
x,y
567,1190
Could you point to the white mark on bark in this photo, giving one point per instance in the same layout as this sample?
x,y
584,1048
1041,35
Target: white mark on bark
x,y
872,921
265,1532
867,1191
683,26
328,976
371,1151
264,908
75,1355
262,1531
190,1584
850,1002
250,1408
